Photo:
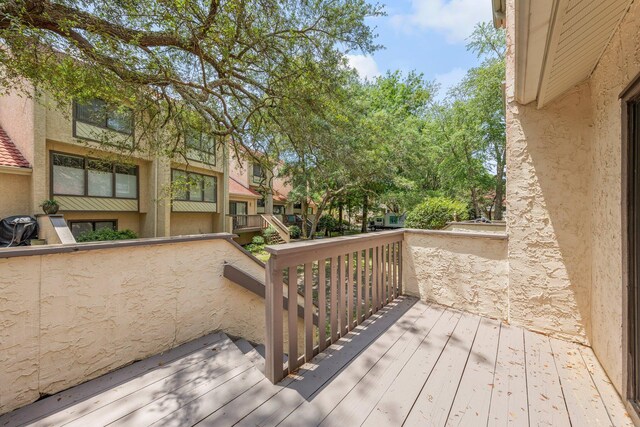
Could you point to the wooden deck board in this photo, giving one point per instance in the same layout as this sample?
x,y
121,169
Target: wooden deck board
x,y
584,403
546,400
412,363
433,404
393,411
471,404
509,403
358,400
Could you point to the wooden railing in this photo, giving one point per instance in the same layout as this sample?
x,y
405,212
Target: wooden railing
x,y
281,229
241,222
353,277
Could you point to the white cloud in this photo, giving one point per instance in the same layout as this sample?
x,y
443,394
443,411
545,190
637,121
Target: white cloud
x,y
454,18
365,65
448,80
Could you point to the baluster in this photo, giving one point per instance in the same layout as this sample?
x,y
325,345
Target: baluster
x,y
367,282
390,296
395,270
274,357
292,309
359,286
342,296
322,304
350,291
374,280
308,312
400,268
333,298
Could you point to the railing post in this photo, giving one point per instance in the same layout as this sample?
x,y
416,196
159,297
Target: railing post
x,y
274,357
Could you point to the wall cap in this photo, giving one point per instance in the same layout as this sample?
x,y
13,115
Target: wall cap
x,y
21,251
468,234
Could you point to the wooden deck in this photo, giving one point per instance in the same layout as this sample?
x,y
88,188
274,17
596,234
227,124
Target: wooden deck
x,y
414,364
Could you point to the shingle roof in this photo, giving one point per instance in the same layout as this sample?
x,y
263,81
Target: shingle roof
x,y
9,153
238,189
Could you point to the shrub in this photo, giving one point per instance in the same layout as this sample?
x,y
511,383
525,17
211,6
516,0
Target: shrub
x,y
435,212
104,234
327,222
258,240
270,234
294,231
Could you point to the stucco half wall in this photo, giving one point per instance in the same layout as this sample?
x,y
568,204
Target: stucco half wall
x,y
465,270
71,316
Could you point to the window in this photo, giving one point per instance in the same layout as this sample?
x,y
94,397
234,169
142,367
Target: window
x,y
261,203
278,209
194,187
97,112
297,206
79,227
201,148
80,176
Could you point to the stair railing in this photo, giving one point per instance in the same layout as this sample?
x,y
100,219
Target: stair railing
x,y
354,276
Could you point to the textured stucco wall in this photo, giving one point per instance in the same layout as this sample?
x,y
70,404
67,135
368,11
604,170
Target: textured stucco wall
x,y
467,272
15,191
70,317
17,119
619,65
184,223
548,205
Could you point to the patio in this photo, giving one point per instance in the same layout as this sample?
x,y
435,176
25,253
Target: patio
x,y
412,363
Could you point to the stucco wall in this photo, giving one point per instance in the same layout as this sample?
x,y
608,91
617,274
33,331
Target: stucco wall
x,y
461,270
17,119
619,65
548,205
69,317
183,223
15,191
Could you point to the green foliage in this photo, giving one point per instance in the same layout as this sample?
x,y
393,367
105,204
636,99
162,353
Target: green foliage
x,y
294,231
435,212
104,234
327,223
257,240
256,246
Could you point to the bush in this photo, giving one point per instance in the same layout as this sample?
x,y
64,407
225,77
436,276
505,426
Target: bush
x,y
258,240
327,222
104,234
294,231
435,212
270,234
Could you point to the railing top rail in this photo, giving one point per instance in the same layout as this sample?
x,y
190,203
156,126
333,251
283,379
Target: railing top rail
x,y
297,253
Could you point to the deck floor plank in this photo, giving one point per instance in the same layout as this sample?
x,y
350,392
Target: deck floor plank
x,y
546,399
509,403
412,363
610,397
350,401
62,405
433,404
308,381
471,403
584,403
393,411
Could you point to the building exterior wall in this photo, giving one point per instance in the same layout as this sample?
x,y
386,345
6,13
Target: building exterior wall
x,y
15,191
467,271
69,317
548,205
618,66
39,126
186,223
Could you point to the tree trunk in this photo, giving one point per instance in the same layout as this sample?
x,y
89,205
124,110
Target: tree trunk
x,y
340,213
365,213
474,200
499,191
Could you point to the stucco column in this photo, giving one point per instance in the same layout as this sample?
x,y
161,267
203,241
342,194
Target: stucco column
x,y
40,181
161,187
222,223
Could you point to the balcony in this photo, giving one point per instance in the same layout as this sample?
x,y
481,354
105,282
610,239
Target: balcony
x,y
247,223
389,338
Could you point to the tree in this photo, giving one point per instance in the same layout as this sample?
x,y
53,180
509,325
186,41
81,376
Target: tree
x,y
223,62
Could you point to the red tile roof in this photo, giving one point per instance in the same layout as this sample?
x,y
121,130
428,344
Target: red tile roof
x,y
238,189
279,197
9,153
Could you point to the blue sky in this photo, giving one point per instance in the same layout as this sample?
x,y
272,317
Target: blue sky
x,y
424,35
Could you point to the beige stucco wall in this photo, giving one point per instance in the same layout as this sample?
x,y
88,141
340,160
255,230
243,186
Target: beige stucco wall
x,y
184,223
69,317
17,117
549,205
461,270
16,194
619,65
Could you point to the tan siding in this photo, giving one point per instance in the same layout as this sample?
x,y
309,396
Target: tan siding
x,y
182,206
70,203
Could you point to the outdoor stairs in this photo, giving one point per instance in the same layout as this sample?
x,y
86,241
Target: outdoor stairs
x,y
182,386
